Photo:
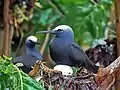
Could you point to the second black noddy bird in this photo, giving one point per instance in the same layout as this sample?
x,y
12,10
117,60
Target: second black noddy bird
x,y
28,60
64,50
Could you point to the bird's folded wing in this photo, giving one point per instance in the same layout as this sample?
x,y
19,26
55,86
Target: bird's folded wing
x,y
80,58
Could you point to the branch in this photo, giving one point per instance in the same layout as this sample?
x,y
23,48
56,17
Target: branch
x,y
20,42
92,1
11,32
107,76
45,41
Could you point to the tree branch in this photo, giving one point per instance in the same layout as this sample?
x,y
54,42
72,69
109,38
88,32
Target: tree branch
x,y
20,42
46,40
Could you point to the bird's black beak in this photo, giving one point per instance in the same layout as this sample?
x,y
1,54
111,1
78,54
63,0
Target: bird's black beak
x,y
38,42
49,31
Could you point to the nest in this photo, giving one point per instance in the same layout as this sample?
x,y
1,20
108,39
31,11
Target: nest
x,y
82,80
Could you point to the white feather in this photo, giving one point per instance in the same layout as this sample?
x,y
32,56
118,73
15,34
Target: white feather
x,y
32,38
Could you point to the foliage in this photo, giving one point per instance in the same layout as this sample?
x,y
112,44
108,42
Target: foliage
x,y
88,19
14,79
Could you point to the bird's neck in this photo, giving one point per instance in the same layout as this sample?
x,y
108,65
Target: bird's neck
x,y
58,42
63,40
33,52
30,50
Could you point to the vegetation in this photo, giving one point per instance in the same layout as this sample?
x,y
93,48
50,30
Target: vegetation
x,y
90,20
14,79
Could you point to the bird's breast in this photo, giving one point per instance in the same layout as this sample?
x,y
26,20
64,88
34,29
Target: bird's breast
x,y
60,53
58,47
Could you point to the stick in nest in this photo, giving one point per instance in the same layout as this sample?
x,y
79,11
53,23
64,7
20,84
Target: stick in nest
x,y
40,66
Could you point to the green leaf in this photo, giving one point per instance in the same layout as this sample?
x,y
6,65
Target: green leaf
x,y
53,19
2,84
45,15
31,84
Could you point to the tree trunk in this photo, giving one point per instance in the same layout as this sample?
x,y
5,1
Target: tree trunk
x,y
1,41
117,12
5,49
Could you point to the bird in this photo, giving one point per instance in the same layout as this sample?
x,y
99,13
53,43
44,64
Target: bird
x,y
64,51
27,61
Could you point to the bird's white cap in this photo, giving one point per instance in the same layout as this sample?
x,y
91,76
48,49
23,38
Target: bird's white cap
x,y
63,27
32,38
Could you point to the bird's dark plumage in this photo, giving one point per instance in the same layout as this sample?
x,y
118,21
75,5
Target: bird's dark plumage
x,y
30,57
64,50
81,59
28,62
71,55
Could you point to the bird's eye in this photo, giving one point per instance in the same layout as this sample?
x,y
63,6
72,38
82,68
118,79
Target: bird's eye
x,y
59,30
31,41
